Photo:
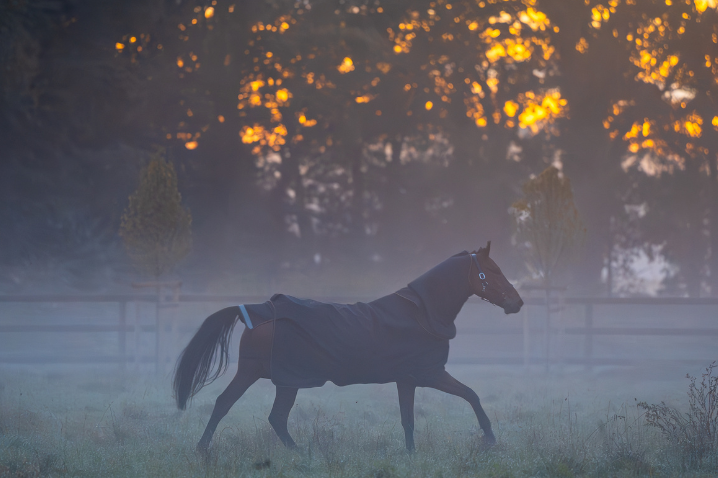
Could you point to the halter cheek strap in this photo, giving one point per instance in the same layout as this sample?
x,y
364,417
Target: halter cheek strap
x,y
482,276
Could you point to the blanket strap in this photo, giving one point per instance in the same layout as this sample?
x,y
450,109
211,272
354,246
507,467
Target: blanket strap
x,y
247,320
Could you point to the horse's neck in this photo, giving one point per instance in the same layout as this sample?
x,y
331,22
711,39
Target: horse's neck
x,y
445,288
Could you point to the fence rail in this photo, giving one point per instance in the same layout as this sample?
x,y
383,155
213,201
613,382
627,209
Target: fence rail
x,y
123,329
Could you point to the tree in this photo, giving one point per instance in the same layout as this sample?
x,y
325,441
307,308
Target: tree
x,y
583,80
548,226
548,223
156,228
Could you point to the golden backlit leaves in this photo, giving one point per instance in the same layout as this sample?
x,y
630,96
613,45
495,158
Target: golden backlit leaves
x,y
136,46
659,157
541,111
510,108
364,98
658,65
493,84
256,91
189,139
280,25
642,136
505,37
383,67
346,66
265,94
703,5
475,111
690,126
304,121
477,89
274,138
403,38
582,45
513,50
600,13
442,87
534,19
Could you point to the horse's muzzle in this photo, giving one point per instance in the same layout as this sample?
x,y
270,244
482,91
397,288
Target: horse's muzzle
x,y
513,306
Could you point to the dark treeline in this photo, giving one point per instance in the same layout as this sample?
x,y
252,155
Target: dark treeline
x,y
362,137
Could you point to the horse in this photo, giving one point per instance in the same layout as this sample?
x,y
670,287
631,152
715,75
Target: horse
x,y
402,338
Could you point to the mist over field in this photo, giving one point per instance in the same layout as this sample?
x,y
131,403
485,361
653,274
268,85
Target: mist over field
x,y
164,160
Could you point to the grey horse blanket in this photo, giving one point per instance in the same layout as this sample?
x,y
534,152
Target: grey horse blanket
x,y
403,334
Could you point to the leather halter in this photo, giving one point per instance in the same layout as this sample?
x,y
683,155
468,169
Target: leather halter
x,y
482,276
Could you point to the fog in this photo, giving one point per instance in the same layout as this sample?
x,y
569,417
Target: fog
x,y
162,161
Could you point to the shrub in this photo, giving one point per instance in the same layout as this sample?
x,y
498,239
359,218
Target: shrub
x,y
695,434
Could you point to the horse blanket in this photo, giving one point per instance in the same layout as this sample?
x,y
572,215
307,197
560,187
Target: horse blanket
x,y
403,334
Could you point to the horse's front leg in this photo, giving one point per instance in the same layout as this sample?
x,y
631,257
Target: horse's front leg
x,y
447,383
278,417
406,389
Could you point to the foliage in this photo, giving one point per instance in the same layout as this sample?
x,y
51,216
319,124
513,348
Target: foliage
x,y
548,222
156,228
485,80
695,433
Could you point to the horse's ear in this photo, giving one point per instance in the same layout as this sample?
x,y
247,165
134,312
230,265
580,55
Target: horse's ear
x,y
488,248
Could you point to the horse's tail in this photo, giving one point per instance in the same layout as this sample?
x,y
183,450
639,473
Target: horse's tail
x,y
209,348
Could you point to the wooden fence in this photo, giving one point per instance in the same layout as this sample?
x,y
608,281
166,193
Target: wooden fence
x,y
132,328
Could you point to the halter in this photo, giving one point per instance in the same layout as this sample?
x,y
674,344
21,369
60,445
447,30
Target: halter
x,y
482,276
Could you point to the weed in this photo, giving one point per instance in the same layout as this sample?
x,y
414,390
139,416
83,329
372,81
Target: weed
x,y
695,433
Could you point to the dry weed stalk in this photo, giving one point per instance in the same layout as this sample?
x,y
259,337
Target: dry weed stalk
x,y
694,433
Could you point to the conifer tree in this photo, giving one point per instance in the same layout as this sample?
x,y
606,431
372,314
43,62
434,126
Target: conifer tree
x,y
156,228
547,222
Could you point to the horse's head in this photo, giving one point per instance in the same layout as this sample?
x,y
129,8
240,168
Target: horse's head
x,y
488,282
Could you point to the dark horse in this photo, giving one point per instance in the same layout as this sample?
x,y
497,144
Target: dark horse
x,y
403,338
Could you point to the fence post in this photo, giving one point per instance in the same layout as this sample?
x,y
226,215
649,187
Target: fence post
x,y
561,333
547,331
527,339
588,349
121,335
138,330
158,327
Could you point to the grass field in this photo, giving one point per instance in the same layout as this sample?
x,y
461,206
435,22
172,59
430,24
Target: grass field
x,y
93,423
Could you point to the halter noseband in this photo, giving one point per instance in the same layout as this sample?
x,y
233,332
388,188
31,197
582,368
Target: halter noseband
x,y
482,276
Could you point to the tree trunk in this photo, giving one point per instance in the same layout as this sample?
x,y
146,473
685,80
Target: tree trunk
x,y
713,221
355,153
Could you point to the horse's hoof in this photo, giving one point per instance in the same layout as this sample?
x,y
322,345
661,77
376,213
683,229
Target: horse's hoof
x,y
488,442
203,451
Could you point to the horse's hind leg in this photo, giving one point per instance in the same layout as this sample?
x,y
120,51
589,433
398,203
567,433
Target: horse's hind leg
x,y
283,402
248,372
